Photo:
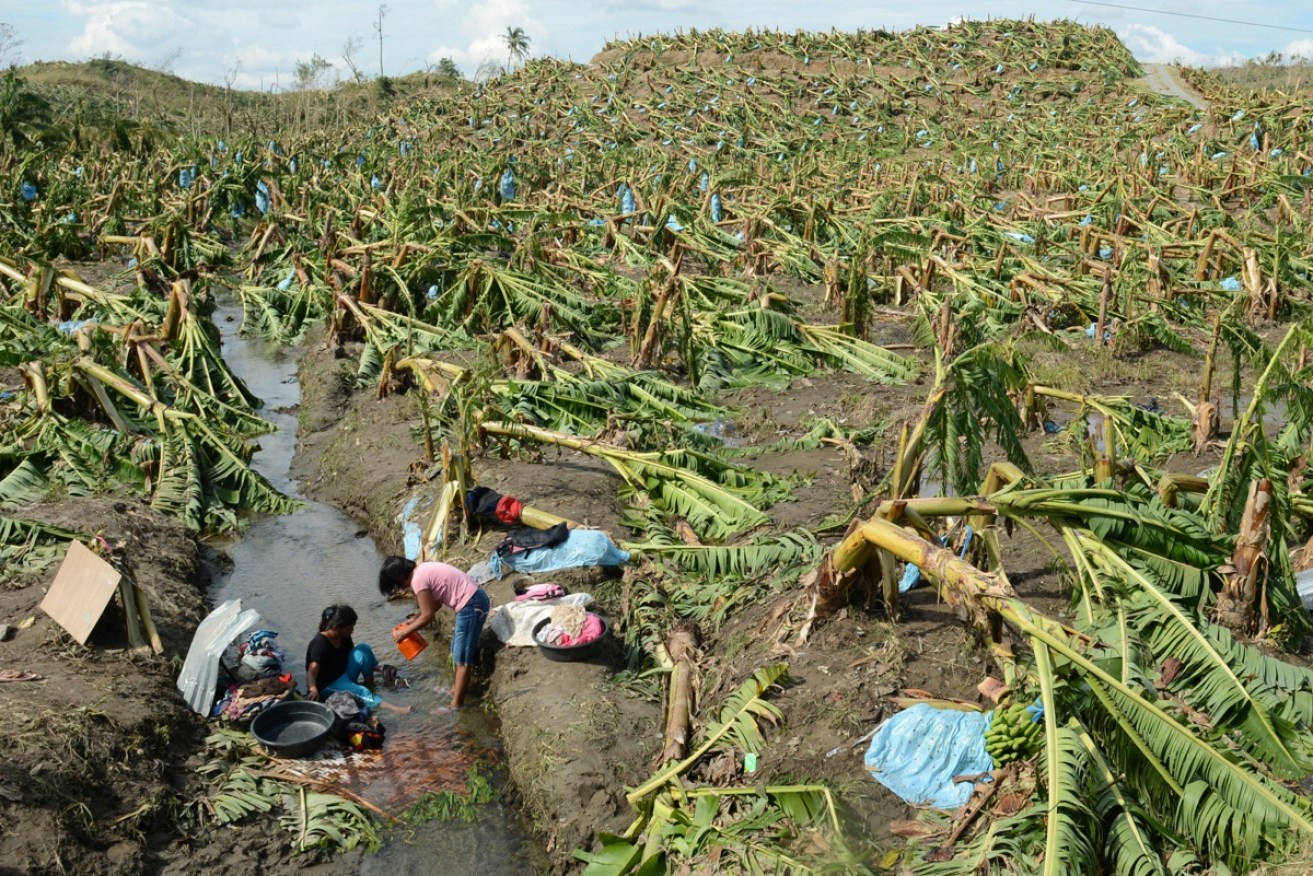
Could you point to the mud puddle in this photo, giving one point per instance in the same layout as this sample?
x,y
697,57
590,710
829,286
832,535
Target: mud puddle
x,y
289,569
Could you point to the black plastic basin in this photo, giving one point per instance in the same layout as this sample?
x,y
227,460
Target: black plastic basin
x,y
293,728
570,652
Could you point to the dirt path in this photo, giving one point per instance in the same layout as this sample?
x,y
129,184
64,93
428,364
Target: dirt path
x,y
1163,79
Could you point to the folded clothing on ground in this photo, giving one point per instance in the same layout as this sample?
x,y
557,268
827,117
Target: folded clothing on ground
x,y
243,702
482,503
526,538
508,510
540,592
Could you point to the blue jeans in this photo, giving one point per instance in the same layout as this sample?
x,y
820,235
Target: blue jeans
x,y
360,664
469,625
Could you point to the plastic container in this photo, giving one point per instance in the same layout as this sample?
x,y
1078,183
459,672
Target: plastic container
x,y
293,728
412,644
569,653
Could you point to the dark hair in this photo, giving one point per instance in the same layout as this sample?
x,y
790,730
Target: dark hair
x,y
394,574
337,617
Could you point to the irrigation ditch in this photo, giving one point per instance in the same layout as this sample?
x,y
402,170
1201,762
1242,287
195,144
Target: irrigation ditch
x,y
794,318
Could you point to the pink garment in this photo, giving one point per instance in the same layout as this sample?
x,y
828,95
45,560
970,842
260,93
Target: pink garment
x,y
450,586
541,591
592,630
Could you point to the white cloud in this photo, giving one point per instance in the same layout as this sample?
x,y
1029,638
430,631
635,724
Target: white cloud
x,y
124,27
212,33
1299,49
1155,46
659,5
483,26
456,55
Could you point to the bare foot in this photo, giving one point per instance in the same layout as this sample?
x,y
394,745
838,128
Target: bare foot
x,y
405,710
442,710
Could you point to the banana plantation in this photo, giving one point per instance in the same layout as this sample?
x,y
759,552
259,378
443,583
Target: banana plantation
x,y
986,229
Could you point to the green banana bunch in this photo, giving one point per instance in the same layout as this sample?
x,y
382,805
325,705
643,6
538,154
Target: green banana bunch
x,y
1012,735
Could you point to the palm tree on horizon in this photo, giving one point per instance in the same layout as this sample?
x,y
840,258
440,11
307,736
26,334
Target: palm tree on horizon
x,y
517,45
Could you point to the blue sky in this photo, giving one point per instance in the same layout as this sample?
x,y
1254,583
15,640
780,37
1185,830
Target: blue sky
x,y
257,43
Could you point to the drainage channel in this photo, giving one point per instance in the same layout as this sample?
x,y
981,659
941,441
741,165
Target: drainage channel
x,y
289,568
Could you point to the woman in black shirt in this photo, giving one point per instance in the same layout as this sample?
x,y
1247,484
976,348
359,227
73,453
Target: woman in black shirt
x,y
333,662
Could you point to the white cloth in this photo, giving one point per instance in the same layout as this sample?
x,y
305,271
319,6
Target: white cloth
x,y
513,622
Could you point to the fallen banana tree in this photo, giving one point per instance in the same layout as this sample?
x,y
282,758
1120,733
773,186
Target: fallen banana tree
x,y
673,479
134,395
758,829
1165,737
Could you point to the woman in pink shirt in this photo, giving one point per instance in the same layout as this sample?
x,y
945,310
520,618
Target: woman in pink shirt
x,y
432,585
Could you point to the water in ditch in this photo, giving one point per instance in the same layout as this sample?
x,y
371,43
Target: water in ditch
x,y
289,568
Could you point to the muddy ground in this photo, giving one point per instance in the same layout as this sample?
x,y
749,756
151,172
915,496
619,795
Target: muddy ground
x,y
98,770
572,737
101,751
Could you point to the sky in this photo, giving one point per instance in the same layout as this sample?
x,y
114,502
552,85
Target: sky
x,y
258,43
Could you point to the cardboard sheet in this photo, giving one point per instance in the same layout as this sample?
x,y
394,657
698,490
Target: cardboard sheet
x,y
83,587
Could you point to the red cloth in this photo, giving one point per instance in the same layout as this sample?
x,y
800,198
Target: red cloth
x,y
508,509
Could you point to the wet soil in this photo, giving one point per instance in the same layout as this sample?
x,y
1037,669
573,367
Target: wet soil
x,y
97,772
573,736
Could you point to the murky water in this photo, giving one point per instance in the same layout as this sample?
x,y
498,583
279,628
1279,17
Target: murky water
x,y
290,568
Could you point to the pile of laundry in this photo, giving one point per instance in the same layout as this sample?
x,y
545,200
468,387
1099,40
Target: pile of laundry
x,y
486,504
354,725
259,656
259,680
571,625
244,701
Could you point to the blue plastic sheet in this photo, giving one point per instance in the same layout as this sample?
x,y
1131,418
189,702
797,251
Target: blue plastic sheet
x,y
917,752
716,213
262,202
27,191
583,547
506,187
411,536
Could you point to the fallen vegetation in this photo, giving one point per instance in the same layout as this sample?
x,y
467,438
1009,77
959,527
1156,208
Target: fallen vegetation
x,y
605,259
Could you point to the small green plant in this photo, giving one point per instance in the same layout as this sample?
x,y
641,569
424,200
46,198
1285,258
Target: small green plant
x,y
452,805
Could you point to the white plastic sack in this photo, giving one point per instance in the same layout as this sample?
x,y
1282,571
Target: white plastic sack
x,y
200,671
917,752
513,622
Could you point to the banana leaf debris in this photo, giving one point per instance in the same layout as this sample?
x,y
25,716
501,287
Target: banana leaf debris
x,y
987,229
